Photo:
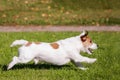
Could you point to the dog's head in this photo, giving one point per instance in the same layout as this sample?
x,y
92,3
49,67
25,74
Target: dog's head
x,y
87,43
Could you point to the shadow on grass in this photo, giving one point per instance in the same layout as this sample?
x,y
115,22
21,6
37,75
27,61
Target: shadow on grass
x,y
33,66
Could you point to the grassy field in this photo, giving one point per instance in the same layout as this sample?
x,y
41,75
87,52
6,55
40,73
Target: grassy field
x,y
59,12
107,66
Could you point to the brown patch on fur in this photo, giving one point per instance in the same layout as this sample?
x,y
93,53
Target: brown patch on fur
x,y
28,44
37,42
55,45
87,41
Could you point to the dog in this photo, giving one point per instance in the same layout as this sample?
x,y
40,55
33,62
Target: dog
x,y
57,53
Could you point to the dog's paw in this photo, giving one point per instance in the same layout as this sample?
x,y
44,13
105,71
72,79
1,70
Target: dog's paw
x,y
92,60
82,68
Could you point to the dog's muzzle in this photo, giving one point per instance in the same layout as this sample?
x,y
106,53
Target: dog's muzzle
x,y
91,48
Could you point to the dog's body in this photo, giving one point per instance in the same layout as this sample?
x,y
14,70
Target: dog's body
x,y
57,53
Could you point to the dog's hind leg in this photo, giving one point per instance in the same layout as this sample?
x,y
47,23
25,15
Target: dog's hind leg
x,y
13,62
17,60
36,61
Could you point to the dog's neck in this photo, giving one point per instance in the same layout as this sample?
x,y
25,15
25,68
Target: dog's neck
x,y
73,42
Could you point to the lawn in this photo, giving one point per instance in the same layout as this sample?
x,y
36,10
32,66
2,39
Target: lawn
x,y
59,12
107,66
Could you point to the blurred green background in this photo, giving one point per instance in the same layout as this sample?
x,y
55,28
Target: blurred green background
x,y
60,12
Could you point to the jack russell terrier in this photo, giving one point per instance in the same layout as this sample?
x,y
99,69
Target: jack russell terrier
x,y
57,53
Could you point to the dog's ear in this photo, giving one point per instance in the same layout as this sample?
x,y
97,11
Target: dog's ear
x,y
83,36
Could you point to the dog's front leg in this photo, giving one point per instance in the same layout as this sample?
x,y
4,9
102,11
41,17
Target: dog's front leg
x,y
84,59
79,65
77,59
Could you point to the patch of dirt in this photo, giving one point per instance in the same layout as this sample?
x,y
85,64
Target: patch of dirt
x,y
57,28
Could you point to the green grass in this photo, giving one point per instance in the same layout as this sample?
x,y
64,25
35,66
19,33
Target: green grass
x,y
107,66
60,12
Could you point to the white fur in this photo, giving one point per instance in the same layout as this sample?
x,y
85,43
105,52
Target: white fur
x,y
68,50
18,42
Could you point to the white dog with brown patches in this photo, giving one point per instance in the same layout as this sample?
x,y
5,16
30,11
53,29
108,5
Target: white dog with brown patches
x,y
57,53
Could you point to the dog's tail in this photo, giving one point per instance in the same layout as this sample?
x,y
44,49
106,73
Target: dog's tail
x,y
18,42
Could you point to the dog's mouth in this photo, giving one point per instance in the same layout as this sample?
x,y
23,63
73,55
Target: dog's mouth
x,y
90,50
